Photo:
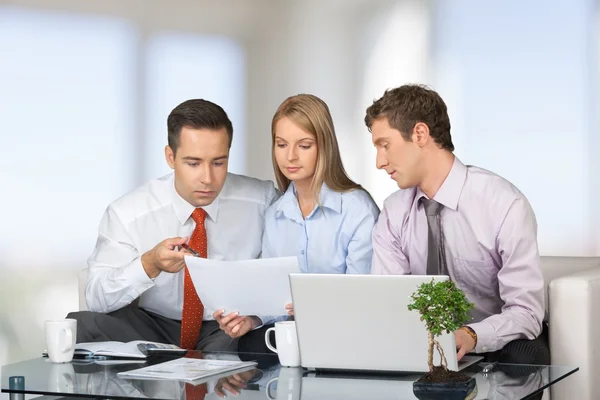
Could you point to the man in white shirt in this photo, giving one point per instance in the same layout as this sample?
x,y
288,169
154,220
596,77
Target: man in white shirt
x,y
139,252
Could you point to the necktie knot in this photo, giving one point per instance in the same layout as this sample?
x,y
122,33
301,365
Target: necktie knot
x,y
432,207
199,215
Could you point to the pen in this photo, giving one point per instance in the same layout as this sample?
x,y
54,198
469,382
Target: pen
x,y
188,248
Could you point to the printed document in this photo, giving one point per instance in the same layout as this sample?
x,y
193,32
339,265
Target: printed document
x,y
251,287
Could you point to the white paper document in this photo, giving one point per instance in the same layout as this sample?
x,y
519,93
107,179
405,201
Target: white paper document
x,y
187,369
251,287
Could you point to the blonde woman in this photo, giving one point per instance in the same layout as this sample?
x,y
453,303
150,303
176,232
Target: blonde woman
x,y
323,217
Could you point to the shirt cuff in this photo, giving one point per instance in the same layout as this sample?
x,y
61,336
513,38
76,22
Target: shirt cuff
x,y
270,319
135,273
487,337
260,322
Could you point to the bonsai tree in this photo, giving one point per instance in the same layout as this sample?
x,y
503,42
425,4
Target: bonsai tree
x,y
443,308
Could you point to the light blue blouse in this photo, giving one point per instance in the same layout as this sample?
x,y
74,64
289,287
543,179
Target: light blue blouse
x,y
333,239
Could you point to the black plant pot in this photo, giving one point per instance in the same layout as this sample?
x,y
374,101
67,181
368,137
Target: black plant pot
x,y
444,390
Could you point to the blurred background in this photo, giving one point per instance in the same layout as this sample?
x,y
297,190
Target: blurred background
x,y
86,86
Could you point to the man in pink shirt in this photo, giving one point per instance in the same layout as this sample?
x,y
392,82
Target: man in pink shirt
x,y
458,220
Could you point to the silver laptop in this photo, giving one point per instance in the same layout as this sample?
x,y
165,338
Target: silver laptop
x,y
362,323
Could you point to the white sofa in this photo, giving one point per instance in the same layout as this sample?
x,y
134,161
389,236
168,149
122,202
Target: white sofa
x,y
573,311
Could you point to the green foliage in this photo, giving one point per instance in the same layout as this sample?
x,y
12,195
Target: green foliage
x,y
443,306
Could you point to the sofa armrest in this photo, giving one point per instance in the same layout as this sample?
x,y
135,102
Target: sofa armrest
x,y
574,323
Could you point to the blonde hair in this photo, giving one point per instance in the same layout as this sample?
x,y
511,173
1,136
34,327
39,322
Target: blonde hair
x,y
312,115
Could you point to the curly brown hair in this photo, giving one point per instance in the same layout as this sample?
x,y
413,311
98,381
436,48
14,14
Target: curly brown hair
x,y
407,105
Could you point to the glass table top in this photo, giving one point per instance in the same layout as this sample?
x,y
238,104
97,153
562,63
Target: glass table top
x,y
98,378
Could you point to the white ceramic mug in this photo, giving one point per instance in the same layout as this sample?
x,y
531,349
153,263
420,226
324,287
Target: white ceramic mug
x,y
289,383
287,343
60,339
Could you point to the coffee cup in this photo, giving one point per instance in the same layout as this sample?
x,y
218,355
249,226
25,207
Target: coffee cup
x,y
287,343
60,339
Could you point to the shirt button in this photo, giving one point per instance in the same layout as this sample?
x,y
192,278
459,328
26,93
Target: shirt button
x,y
302,252
484,349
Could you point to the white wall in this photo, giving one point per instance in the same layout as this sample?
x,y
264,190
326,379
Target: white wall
x,y
594,146
394,50
311,46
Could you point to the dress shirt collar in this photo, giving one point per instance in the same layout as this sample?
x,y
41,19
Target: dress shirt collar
x,y
290,207
449,193
184,210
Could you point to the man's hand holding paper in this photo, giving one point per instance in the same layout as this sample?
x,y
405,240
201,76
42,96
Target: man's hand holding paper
x,y
236,325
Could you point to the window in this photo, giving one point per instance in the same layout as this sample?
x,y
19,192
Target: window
x,y
520,100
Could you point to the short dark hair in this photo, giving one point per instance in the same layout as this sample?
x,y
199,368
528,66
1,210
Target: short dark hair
x,y
407,105
196,114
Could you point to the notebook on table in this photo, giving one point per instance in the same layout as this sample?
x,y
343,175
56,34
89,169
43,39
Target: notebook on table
x,y
137,349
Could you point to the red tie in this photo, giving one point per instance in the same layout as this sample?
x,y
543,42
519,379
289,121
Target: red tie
x,y
195,392
193,310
